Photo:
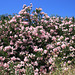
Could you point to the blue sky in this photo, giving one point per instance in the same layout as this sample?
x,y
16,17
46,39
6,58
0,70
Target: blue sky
x,y
51,7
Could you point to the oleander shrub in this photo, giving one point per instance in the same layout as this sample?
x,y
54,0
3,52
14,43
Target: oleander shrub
x,y
33,43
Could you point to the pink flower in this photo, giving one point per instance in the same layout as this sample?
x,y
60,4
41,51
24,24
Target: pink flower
x,y
11,43
51,30
17,58
35,63
40,49
70,29
58,47
25,12
50,60
25,23
24,40
54,38
56,27
58,43
1,57
22,27
47,16
49,46
40,9
42,20
20,35
13,58
36,70
25,59
12,20
63,46
19,42
22,63
65,68
24,5
7,48
45,21
31,15
61,37
73,37
15,36
20,12
70,22
36,8
50,68
1,47
55,49
18,66
0,21
66,39
1,64
23,70
35,47
45,51
42,13
6,65
18,16
69,62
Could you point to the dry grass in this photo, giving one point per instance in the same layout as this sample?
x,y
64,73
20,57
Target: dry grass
x,y
70,71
